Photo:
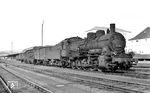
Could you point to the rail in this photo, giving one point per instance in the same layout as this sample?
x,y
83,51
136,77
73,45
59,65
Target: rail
x,y
38,87
5,85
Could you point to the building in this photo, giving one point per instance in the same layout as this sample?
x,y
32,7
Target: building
x,y
140,44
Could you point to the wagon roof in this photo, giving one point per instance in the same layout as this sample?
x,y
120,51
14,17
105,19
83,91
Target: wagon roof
x,y
48,46
73,38
30,48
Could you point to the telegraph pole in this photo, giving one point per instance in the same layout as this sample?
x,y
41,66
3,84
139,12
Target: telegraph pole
x,y
11,46
42,33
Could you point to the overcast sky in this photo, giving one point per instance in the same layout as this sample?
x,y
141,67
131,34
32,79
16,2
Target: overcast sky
x,y
20,20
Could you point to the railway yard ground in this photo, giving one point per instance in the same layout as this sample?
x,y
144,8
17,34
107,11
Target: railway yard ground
x,y
16,84
46,79
3,86
143,64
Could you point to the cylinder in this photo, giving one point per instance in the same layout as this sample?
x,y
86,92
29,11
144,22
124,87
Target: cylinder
x,y
112,28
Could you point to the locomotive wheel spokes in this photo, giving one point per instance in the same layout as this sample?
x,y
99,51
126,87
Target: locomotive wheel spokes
x,y
103,70
100,70
78,64
114,68
84,68
78,67
73,67
126,67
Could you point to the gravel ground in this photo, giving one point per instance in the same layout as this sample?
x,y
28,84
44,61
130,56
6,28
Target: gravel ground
x,y
20,86
126,79
143,65
2,88
58,85
101,75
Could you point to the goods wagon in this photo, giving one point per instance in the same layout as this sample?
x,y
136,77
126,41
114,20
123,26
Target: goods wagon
x,y
47,54
29,56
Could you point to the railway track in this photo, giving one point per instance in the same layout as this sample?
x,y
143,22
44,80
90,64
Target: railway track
x,y
135,73
106,83
100,83
3,86
27,81
130,73
141,69
141,73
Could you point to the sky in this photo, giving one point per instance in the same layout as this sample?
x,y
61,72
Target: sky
x,y
21,20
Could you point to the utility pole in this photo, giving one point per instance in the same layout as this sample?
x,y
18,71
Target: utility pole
x,y
11,46
42,34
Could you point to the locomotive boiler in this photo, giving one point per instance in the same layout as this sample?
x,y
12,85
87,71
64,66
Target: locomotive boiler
x,y
114,40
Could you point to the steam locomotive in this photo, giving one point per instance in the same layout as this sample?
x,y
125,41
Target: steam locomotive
x,y
98,51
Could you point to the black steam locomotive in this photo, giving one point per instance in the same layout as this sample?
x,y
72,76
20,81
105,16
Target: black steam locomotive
x,y
99,51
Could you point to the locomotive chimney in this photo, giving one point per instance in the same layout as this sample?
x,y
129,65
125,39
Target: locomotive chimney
x,y
112,28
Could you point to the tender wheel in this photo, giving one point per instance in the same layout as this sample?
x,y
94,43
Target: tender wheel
x,y
99,70
73,65
84,68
